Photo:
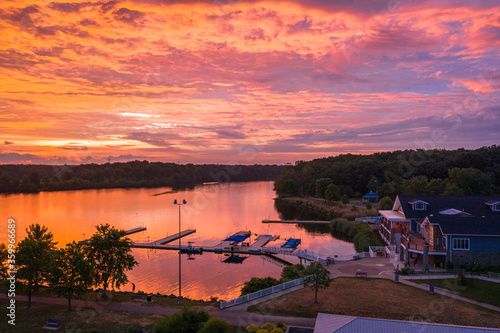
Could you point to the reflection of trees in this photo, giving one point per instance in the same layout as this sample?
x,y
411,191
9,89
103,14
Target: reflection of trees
x,y
289,211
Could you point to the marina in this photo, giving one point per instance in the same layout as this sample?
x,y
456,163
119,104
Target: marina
x,y
228,210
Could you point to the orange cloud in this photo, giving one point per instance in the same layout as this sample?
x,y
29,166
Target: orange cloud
x,y
246,81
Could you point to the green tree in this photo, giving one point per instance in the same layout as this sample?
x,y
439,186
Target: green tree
x,y
292,272
256,284
345,199
215,325
321,186
453,189
415,185
317,277
34,253
472,181
70,272
109,252
436,186
386,203
183,321
286,184
332,193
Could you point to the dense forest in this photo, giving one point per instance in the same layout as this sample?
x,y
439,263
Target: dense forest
x,y
431,172
35,178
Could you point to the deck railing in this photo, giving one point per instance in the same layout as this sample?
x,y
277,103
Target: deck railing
x,y
261,293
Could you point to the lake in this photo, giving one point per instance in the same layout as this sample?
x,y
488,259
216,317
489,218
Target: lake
x,y
216,211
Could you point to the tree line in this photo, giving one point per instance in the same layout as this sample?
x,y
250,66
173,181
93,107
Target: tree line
x,y
102,261
417,172
134,174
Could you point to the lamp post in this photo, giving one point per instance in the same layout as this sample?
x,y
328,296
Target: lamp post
x,y
180,204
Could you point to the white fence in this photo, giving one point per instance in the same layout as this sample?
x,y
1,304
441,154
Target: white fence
x,y
316,256
261,293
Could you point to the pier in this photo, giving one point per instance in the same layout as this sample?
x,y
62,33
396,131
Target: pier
x,y
171,238
296,222
135,230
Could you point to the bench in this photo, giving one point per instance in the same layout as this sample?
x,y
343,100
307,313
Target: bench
x,y
361,274
52,324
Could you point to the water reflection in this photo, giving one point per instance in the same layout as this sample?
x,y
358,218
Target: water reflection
x,y
216,211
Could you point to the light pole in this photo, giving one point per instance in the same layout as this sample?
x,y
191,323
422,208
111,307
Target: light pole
x,y
180,204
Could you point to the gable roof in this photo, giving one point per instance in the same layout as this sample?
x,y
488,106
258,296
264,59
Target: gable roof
x,y
459,225
474,205
328,323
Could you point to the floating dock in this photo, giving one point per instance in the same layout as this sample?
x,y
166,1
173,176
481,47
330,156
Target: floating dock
x,y
234,244
171,238
135,230
296,222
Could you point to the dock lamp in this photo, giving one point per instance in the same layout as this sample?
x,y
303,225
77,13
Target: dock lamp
x,y
180,204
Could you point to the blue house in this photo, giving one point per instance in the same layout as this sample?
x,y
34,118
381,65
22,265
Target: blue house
x,y
439,229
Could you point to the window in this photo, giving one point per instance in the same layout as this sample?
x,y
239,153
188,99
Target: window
x,y
419,206
460,244
496,208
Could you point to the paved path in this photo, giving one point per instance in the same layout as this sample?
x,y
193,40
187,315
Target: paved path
x,y
234,317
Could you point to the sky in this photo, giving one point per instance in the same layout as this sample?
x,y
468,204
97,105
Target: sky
x,y
248,82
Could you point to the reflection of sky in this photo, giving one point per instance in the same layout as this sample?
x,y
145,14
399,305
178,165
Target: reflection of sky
x,y
215,211
246,81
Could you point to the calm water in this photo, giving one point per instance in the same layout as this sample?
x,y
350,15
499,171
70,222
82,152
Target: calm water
x,y
215,211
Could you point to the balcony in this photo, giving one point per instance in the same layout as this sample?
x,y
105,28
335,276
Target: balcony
x,y
417,243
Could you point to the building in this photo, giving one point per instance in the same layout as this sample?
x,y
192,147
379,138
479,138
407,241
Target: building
x,y
440,229
328,323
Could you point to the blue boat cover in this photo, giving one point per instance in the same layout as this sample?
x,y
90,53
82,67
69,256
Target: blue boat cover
x,y
292,243
236,238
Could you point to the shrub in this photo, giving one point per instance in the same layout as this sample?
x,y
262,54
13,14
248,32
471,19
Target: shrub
x,y
281,324
277,330
354,208
368,205
256,284
292,272
252,328
462,280
267,326
262,331
406,271
345,199
183,321
215,325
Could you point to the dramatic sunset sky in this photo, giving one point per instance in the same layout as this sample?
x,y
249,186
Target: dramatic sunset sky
x,y
230,81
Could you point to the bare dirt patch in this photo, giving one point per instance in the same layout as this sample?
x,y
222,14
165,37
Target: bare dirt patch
x,y
379,298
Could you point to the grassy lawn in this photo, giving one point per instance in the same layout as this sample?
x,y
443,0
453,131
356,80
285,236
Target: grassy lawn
x,y
481,291
127,298
77,320
80,319
379,298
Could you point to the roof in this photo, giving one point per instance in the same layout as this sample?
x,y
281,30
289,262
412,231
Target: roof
x,y
370,195
326,323
460,225
392,215
417,200
474,205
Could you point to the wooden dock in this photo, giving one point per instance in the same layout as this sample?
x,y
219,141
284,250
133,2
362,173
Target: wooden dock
x,y
296,222
261,241
135,230
256,248
171,238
